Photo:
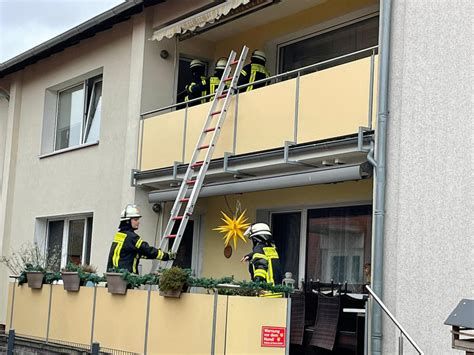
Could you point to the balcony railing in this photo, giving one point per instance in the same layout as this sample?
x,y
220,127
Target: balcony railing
x,y
142,321
309,107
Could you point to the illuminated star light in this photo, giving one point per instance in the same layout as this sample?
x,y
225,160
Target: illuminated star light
x,y
233,228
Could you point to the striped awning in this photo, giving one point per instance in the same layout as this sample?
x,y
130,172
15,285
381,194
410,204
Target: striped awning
x,y
198,20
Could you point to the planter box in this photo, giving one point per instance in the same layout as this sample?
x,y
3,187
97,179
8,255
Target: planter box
x,y
71,280
115,283
171,293
35,279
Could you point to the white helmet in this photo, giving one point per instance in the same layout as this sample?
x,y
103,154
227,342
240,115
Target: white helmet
x,y
259,54
130,211
221,63
258,231
195,63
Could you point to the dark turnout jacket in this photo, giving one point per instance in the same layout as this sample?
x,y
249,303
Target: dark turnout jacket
x,y
127,249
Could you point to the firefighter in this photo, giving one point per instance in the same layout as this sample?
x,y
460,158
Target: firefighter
x,y
264,262
199,86
254,71
216,78
127,247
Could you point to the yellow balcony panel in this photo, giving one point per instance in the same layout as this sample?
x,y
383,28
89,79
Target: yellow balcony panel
x,y
30,312
119,320
331,103
66,306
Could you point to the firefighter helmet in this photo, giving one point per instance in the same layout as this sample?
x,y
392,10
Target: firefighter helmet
x,y
259,232
196,63
221,63
259,54
130,211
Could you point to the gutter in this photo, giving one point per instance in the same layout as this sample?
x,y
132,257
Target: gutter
x,y
380,174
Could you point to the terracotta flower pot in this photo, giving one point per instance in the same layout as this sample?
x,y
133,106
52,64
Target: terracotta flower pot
x,y
171,293
71,280
35,279
115,283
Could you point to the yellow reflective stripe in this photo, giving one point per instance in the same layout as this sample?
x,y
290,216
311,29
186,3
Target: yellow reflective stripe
x,y
160,254
116,257
259,256
134,267
270,273
138,243
243,72
260,273
120,237
270,252
271,295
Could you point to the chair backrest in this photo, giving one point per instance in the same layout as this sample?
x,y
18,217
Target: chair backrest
x,y
297,317
327,320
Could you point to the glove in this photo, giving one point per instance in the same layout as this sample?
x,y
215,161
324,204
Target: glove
x,y
171,256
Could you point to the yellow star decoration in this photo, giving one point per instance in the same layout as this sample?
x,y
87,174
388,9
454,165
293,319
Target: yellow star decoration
x,y
233,228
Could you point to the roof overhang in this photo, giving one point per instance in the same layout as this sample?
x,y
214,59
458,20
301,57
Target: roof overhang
x,y
102,22
334,160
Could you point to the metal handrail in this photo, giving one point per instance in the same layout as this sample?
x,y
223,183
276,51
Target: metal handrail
x,y
394,320
270,78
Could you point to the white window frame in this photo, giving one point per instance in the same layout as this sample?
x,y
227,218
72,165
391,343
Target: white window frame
x,y
86,83
304,225
273,46
65,239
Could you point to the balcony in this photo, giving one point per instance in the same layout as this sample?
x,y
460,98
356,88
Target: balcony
x,y
144,322
314,105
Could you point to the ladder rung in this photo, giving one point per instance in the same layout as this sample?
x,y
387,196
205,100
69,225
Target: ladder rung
x,y
234,62
204,146
184,199
210,130
221,96
197,164
229,78
171,236
190,182
177,218
215,113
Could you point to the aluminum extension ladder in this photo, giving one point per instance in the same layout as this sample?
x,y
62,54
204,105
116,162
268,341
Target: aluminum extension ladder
x,y
195,173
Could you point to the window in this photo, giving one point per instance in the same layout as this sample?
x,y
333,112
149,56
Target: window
x,y
185,77
328,45
338,243
184,256
78,114
286,229
71,238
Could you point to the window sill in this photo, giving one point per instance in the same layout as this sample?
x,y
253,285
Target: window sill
x,y
61,151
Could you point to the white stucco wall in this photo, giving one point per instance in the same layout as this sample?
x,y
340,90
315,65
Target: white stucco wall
x,y
95,179
429,248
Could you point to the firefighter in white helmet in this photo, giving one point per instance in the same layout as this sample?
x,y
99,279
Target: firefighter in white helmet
x,y
215,79
254,71
127,247
264,262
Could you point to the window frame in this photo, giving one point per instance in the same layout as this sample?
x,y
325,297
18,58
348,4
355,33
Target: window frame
x,y
330,25
86,83
65,236
304,225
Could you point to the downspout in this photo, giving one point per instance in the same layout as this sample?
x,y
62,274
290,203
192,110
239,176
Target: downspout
x,y
380,173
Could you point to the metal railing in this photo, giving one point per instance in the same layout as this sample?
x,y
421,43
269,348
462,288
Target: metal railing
x,y
275,78
403,332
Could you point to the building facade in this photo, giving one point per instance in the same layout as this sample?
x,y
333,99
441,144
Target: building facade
x,y
92,123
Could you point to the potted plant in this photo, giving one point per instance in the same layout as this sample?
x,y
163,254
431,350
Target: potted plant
x,y
172,281
33,264
116,281
74,276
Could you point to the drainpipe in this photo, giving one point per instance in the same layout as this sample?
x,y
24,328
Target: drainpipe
x,y
380,157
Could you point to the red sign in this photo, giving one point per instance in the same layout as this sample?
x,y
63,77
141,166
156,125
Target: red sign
x,y
273,337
